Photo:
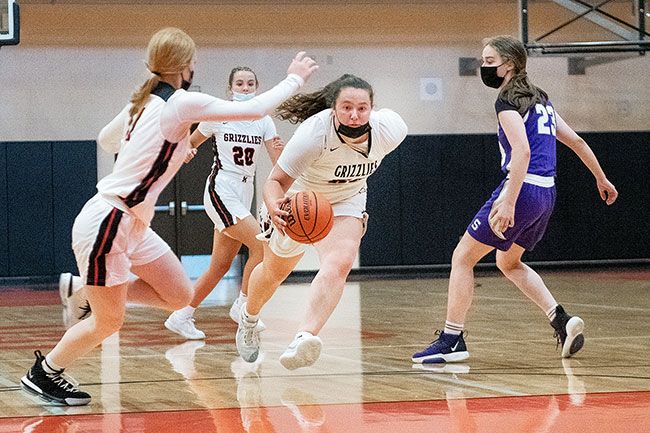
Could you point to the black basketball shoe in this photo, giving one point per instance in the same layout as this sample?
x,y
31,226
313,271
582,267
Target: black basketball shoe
x,y
568,331
52,387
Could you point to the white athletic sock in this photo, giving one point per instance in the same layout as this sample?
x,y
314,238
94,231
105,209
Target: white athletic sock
x,y
186,312
303,334
452,328
551,313
77,284
243,296
250,318
50,367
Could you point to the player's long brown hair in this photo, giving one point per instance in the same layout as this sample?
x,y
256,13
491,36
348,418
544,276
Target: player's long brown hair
x,y
303,105
170,50
519,92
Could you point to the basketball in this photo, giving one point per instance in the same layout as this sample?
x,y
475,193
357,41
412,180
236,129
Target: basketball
x,y
310,217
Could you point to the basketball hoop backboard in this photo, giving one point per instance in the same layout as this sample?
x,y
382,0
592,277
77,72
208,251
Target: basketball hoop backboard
x,y
562,27
9,22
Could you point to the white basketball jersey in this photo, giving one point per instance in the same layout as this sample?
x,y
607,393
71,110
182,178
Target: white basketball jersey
x,y
320,161
153,148
237,144
147,162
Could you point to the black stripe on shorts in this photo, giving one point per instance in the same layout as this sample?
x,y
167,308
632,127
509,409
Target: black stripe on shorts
x,y
217,203
96,275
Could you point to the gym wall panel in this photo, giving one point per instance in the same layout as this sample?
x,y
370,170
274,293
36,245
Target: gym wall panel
x,y
74,168
4,252
625,158
582,227
384,247
420,198
463,191
43,185
29,208
492,173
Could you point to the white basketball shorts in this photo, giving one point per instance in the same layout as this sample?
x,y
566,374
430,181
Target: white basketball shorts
x,y
227,198
107,242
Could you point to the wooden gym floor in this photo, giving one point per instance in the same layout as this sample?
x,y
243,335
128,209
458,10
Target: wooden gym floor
x,y
146,379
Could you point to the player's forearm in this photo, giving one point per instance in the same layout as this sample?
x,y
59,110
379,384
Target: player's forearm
x,y
273,192
588,158
270,99
197,139
274,152
255,108
518,168
274,155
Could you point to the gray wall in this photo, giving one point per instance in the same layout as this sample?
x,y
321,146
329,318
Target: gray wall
x,y
70,93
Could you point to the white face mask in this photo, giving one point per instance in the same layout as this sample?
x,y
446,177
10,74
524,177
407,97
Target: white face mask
x,y
242,96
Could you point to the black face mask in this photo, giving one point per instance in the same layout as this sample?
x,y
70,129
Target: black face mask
x,y
351,132
185,85
490,78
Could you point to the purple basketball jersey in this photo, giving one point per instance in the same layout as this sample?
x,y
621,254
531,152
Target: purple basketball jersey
x,y
540,125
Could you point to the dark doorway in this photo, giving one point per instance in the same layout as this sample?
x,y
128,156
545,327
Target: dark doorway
x,y
180,216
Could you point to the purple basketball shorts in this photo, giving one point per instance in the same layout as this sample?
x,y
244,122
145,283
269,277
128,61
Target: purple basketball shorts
x,y
532,212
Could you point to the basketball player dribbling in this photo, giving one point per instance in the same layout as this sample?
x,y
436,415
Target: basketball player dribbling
x,y
111,236
228,197
514,219
339,144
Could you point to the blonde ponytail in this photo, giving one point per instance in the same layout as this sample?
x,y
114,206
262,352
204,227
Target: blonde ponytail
x,y
140,96
170,50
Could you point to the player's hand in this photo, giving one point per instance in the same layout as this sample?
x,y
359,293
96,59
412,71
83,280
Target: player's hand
x,y
277,142
302,65
502,217
607,191
190,155
278,214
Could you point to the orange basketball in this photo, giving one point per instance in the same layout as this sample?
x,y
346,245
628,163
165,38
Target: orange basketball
x,y
310,217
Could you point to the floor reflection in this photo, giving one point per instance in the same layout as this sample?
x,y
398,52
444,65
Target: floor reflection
x,y
598,413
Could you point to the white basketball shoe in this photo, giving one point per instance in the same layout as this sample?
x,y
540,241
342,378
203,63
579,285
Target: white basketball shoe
x,y
303,351
183,326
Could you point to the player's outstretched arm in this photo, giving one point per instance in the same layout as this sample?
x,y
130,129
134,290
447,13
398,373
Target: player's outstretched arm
x,y
197,107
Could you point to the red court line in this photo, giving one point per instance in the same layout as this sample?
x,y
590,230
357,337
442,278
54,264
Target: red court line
x,y
10,297
596,413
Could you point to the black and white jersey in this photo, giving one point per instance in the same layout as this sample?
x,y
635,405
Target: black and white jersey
x,y
153,145
237,144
